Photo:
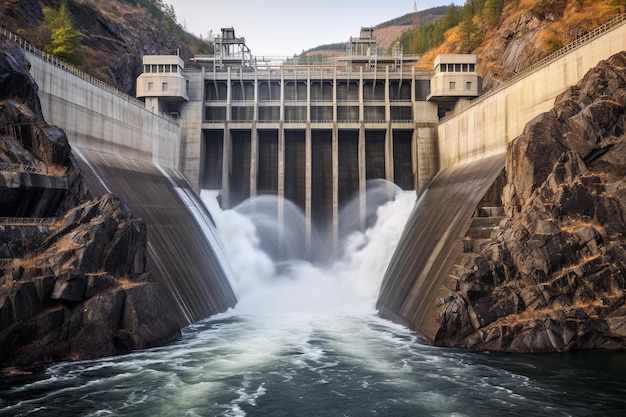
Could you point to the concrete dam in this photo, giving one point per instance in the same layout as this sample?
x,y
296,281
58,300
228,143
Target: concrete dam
x,y
314,134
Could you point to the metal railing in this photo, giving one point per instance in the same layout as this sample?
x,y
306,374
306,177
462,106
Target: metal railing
x,y
580,41
28,47
27,169
312,121
28,221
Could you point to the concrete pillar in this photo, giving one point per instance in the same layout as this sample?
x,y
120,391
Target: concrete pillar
x,y
227,148
415,159
281,161
281,183
335,166
254,158
361,104
226,152
389,153
308,172
254,138
389,134
361,154
362,178
308,175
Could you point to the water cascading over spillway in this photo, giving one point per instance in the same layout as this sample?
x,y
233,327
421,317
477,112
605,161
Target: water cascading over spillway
x,y
269,281
184,253
431,243
304,340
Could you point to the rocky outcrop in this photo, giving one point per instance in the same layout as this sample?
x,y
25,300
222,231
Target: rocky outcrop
x,y
114,35
526,33
73,277
553,276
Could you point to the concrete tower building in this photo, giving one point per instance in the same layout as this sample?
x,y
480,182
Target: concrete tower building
x,y
313,131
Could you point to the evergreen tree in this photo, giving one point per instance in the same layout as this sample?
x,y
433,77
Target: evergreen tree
x,y
64,38
470,36
619,5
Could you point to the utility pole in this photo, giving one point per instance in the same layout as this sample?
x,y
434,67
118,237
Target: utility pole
x,y
416,29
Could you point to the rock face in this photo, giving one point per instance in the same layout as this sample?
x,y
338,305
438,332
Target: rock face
x,y
553,277
73,277
114,35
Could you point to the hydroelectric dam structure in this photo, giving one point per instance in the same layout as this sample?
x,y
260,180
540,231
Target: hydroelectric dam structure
x,y
313,133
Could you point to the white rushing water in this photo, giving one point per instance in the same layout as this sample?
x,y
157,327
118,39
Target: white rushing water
x,y
305,340
348,284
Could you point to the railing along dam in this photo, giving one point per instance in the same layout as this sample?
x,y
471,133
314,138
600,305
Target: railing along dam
x,y
472,146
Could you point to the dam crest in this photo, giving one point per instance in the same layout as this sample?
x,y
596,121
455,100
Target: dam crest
x,y
311,134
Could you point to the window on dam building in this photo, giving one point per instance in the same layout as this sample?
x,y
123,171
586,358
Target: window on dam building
x,y
347,91
269,91
457,67
295,91
321,91
374,91
401,113
400,90
269,113
422,89
242,113
241,91
214,114
215,90
321,113
374,113
295,113
348,113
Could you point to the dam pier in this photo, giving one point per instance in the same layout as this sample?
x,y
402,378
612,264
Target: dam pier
x,y
311,132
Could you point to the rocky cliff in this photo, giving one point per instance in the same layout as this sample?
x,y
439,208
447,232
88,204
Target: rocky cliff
x,y
73,277
113,35
511,36
553,274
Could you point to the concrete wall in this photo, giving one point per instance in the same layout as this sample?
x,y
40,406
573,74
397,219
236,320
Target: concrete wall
x,y
98,119
491,122
192,151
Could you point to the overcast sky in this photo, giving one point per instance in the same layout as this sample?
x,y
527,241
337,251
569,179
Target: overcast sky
x,y
288,27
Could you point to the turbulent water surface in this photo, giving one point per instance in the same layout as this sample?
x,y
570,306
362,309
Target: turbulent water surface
x,y
304,340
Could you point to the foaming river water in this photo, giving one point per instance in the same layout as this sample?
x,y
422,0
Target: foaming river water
x,y
305,340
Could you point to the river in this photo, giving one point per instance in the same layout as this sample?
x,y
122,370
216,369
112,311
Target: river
x,y
305,340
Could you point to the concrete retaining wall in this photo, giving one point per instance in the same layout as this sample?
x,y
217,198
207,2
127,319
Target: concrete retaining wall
x,y
99,119
494,120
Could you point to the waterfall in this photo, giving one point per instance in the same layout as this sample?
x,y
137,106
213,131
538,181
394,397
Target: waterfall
x,y
346,281
183,254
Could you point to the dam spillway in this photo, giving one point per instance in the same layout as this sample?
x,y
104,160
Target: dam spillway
x,y
420,269
249,130
313,132
191,267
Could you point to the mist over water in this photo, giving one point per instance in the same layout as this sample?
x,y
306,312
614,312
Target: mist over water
x,y
345,279
305,340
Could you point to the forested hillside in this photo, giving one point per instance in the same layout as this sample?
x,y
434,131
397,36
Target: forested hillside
x,y
508,35
104,38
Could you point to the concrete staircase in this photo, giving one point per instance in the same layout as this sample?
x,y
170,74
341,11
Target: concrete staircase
x,y
484,221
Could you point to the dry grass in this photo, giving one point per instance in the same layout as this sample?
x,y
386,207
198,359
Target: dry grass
x,y
125,283
57,170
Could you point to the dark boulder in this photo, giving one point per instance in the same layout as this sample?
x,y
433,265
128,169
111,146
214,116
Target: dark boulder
x,y
73,285
554,276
